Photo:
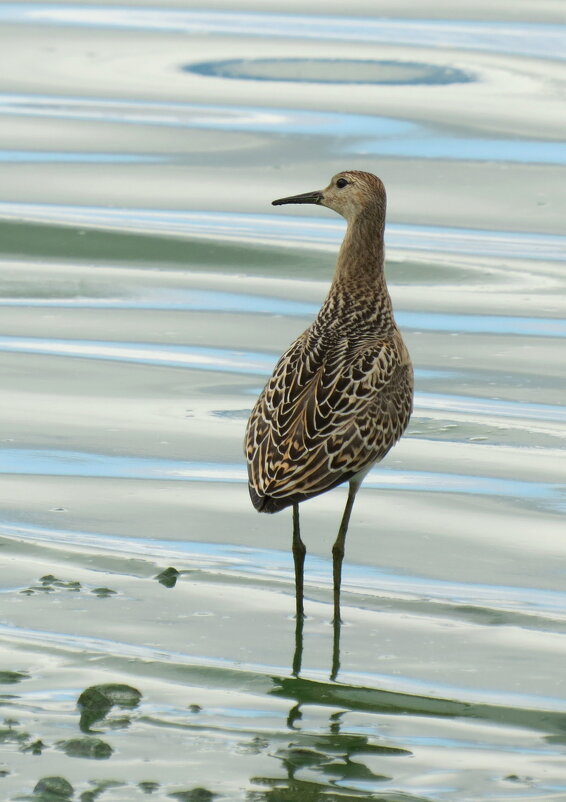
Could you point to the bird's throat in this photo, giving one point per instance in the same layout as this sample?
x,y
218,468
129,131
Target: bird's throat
x,y
358,295
361,258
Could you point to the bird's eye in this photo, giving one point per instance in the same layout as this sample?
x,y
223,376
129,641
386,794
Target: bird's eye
x,y
341,183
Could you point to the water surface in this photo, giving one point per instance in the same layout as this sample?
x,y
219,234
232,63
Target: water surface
x,y
147,289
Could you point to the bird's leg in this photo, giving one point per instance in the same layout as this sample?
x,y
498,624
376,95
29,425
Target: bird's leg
x,y
299,551
338,548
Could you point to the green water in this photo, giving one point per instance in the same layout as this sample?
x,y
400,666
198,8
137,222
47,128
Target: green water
x,y
148,647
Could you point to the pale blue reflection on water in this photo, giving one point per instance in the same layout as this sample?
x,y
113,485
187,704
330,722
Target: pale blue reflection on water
x,y
476,149
81,157
389,136
69,463
208,300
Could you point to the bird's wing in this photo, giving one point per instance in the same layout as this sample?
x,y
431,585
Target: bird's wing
x,y
325,415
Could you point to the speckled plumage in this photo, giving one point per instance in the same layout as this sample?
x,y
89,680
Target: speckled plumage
x,y
341,395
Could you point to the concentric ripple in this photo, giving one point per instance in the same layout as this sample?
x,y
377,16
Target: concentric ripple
x,y
335,71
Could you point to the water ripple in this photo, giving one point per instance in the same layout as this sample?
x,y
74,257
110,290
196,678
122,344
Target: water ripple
x,y
210,300
288,230
492,407
198,357
363,134
464,148
356,691
261,364
51,462
203,116
521,39
275,565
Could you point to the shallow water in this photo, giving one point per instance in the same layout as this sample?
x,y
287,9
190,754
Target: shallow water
x,y
147,288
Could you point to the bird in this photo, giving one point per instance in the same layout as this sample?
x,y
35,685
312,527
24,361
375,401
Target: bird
x,y
341,395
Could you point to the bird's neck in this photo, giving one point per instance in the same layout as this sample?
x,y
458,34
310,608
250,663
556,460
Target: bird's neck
x,y
359,289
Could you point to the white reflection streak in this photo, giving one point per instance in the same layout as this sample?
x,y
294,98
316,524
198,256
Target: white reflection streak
x,y
493,407
127,352
207,473
84,644
189,115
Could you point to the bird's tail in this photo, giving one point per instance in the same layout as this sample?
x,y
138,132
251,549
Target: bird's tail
x,y
268,503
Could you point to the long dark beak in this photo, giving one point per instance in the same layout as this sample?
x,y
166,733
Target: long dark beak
x,y
307,197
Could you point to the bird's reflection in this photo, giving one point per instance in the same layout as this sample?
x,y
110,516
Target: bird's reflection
x,y
298,654
299,641
336,625
335,761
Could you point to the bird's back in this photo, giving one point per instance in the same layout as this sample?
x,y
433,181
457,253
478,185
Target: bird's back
x,y
339,398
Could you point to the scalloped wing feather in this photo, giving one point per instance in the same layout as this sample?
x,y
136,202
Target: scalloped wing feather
x,y
328,412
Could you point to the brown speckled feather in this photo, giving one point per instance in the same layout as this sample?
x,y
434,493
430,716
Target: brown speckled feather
x,y
341,395
325,415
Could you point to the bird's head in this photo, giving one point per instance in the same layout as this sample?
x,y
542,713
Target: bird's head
x,y
349,193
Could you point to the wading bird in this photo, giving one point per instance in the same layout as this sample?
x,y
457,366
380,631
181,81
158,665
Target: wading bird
x,y
341,395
